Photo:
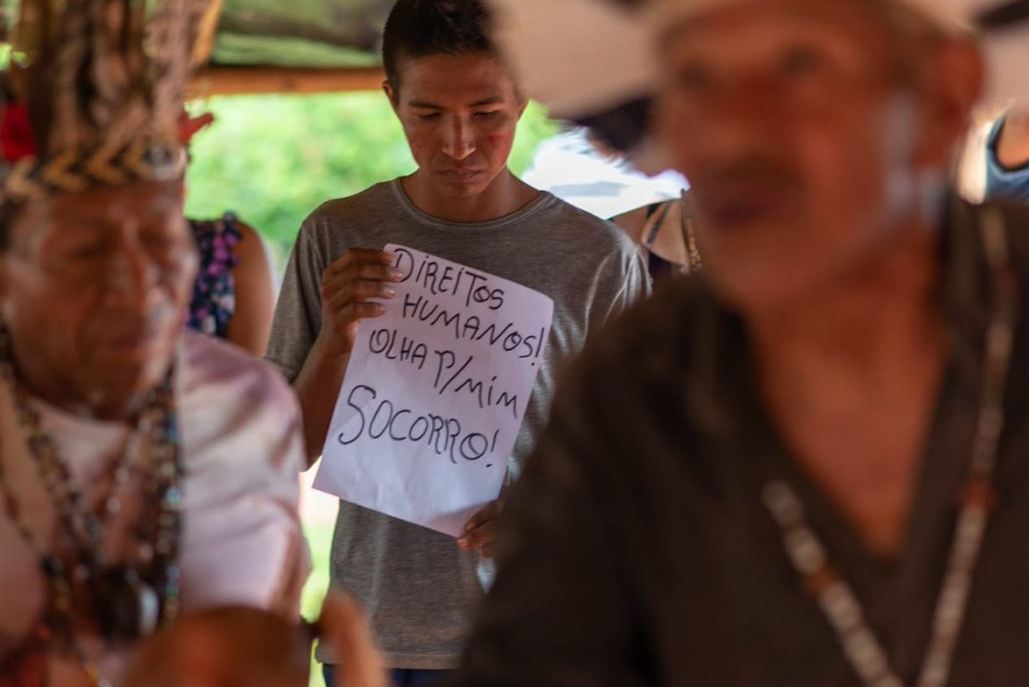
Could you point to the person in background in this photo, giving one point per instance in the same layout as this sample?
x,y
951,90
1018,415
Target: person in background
x,y
1007,158
459,108
665,231
145,470
234,293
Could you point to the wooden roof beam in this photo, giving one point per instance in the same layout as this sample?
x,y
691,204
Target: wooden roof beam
x,y
216,80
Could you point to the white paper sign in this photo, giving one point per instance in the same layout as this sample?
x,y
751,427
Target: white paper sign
x,y
435,393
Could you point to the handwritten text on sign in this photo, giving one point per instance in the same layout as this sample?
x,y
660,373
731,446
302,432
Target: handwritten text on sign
x,y
435,393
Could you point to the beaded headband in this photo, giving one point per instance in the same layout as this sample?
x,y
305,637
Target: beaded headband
x,y
105,80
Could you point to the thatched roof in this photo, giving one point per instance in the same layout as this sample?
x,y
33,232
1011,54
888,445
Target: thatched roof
x,y
260,46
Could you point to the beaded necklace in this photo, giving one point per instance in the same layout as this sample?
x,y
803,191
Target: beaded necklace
x,y
128,601
809,556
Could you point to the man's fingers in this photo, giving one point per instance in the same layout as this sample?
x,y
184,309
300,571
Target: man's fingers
x,y
358,259
358,271
482,536
353,312
365,255
356,292
483,516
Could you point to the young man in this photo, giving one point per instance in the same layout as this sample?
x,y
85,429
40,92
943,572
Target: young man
x,y
144,470
807,467
459,108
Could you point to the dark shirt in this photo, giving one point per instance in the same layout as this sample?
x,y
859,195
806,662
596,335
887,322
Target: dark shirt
x,y
635,550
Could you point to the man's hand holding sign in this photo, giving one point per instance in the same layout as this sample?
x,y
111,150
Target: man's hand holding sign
x,y
437,384
349,289
480,533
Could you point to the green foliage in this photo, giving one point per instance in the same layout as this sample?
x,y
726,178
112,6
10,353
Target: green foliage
x,y
319,541
274,159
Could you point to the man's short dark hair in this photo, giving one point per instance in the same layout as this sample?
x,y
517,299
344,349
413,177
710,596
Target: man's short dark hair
x,y
420,28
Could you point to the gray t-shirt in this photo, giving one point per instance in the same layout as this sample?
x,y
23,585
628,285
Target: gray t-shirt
x,y
417,585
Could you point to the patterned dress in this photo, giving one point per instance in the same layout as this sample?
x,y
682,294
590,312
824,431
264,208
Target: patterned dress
x,y
214,294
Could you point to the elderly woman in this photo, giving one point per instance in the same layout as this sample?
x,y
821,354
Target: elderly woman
x,y
143,470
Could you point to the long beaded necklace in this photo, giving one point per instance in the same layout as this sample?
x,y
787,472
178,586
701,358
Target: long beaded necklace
x,y
128,601
694,263
821,578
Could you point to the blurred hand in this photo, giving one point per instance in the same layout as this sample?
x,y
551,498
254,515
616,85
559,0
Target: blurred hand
x,y
348,287
348,637
480,533
1013,144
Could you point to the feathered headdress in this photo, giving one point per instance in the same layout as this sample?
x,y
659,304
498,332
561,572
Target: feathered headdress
x,y
103,88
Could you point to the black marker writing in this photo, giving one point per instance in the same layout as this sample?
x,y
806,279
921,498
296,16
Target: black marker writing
x,y
466,327
444,436
387,343
438,278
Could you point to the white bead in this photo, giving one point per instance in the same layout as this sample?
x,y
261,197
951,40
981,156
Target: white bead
x,y
783,503
863,648
888,681
935,673
952,603
841,606
807,554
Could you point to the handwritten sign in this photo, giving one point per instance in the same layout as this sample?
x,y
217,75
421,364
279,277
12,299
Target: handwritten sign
x,y
435,393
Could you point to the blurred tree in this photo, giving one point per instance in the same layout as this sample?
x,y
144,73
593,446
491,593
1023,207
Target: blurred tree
x,y
274,159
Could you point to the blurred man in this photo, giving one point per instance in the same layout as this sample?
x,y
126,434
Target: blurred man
x,y
459,108
807,466
143,470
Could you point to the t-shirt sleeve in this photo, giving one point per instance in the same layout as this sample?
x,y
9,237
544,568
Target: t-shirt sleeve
x,y
635,284
298,311
1001,182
